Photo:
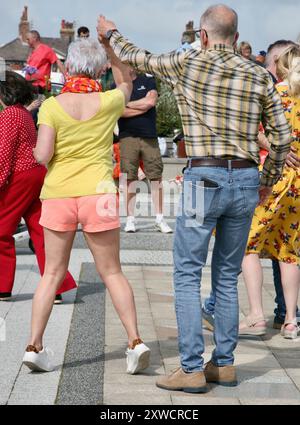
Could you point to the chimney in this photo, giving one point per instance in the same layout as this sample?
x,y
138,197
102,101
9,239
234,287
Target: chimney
x,y
67,31
24,25
189,34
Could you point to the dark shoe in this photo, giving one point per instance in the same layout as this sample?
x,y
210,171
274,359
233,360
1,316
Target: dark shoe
x,y
224,375
58,300
278,322
180,381
5,296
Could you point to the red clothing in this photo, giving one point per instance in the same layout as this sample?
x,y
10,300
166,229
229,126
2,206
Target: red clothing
x,y
21,199
17,139
21,181
42,58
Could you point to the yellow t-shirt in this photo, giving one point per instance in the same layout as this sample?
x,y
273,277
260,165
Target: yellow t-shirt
x,y
82,161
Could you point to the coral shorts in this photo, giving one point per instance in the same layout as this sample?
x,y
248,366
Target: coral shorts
x,y
96,213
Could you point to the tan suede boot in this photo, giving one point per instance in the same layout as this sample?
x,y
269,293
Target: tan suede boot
x,y
225,375
178,380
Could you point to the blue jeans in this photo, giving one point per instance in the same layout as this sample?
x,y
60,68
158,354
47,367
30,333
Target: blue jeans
x,y
229,208
280,310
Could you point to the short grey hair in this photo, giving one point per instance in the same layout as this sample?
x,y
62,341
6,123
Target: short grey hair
x,y
36,34
86,57
220,21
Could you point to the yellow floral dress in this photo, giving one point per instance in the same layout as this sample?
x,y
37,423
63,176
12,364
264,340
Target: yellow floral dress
x,y
275,229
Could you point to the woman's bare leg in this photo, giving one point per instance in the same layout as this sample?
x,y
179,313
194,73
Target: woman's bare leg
x,y
290,277
253,278
105,247
58,247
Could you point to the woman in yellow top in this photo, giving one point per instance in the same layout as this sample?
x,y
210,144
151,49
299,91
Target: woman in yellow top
x,y
75,140
275,230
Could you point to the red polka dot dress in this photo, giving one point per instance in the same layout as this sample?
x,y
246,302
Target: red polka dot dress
x,y
21,181
17,139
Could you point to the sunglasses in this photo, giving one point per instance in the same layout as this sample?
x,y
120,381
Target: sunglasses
x,y
198,31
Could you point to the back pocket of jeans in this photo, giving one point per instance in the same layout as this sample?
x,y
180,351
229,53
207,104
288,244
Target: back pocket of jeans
x,y
200,201
250,198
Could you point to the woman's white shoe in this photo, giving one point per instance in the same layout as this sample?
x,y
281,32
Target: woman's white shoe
x,y
290,333
138,358
39,361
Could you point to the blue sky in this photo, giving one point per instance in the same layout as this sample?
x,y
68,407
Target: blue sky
x,y
154,24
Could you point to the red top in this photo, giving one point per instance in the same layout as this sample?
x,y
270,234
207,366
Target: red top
x,y
42,58
18,137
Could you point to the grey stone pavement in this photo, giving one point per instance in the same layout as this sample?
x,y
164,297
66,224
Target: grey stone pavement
x,y
89,341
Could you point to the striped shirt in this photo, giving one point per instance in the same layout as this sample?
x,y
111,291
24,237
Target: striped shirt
x,y
222,98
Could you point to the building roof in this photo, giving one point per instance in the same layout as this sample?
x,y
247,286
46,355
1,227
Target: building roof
x,y
59,45
16,51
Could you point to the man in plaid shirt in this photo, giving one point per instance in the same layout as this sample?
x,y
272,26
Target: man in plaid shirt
x,y
222,98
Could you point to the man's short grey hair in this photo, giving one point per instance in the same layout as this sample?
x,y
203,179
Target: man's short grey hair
x,y
86,57
220,21
36,34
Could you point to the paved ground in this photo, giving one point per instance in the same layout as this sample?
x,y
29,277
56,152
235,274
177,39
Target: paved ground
x,y
89,342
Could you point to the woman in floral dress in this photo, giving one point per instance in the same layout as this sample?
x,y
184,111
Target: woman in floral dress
x,y
275,230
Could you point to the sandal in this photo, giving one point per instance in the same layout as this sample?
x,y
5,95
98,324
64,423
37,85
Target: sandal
x,y
251,329
287,333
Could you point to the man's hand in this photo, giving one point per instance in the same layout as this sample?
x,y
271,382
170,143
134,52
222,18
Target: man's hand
x,y
292,160
264,193
103,26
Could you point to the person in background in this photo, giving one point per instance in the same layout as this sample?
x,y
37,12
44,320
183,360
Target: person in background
x,y
21,180
107,78
261,57
245,50
83,32
75,140
275,230
274,51
138,141
39,63
292,160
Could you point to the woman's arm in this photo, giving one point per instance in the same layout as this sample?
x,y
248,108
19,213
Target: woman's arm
x,y
292,159
121,72
263,141
44,150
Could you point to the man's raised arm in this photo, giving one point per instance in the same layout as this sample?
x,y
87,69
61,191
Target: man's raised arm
x,y
166,66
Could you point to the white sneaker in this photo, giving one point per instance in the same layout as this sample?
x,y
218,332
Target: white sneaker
x,y
163,227
39,362
130,226
138,358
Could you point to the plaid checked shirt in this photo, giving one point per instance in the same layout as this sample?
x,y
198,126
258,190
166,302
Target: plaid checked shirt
x,y
221,98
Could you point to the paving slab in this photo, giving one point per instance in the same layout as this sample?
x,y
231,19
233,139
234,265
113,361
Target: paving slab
x,y
94,350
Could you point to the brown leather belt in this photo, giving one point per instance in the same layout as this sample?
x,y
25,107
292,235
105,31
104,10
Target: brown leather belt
x,y
221,162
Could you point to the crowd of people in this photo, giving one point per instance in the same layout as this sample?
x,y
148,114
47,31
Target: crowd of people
x,y
241,124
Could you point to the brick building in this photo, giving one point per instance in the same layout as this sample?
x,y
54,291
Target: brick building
x,y
16,52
